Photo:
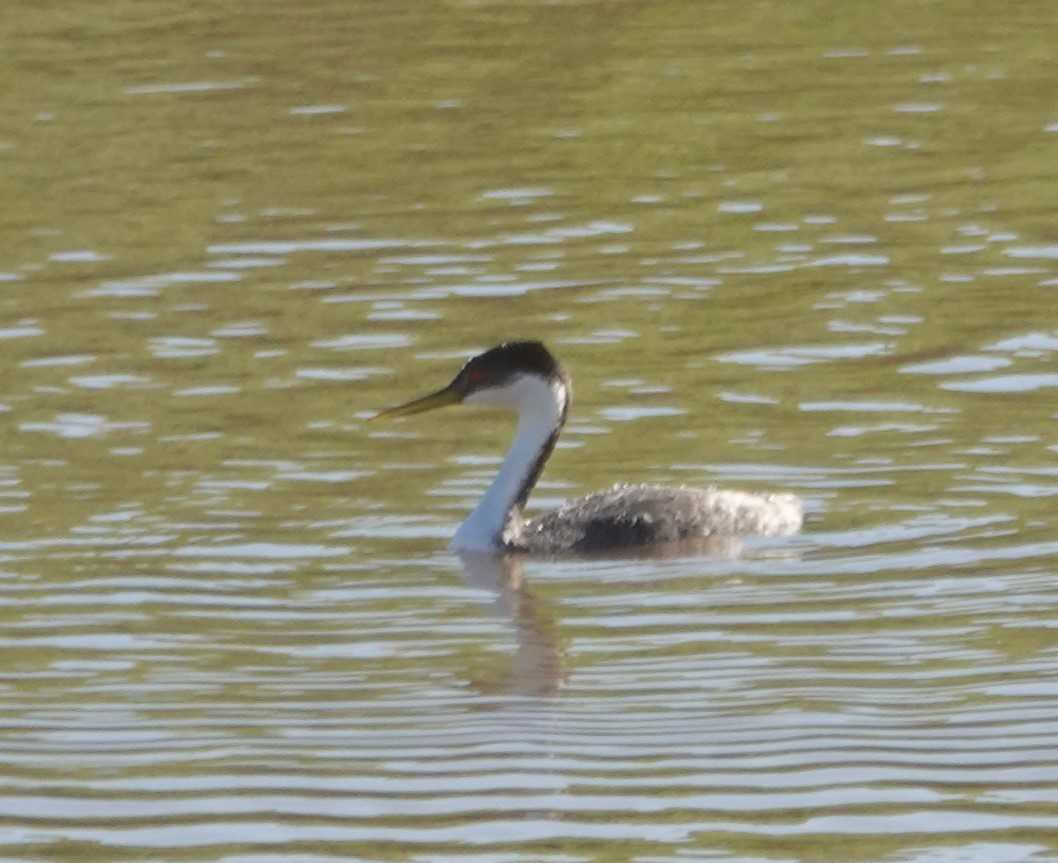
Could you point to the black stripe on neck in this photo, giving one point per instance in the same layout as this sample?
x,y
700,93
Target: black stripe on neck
x,y
514,515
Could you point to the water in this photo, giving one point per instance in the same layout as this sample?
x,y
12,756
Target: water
x,y
793,247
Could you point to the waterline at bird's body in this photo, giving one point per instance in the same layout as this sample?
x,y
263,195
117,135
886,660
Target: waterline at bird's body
x,y
525,377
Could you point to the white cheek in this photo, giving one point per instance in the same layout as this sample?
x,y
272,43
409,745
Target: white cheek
x,y
493,396
522,393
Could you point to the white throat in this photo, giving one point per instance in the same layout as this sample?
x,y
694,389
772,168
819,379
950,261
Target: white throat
x,y
541,407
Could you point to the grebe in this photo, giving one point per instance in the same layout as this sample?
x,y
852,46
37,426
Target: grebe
x,y
524,376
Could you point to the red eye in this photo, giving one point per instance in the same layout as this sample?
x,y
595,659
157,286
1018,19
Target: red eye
x,y
476,376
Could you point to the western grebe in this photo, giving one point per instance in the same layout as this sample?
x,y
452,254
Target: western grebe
x,y
525,376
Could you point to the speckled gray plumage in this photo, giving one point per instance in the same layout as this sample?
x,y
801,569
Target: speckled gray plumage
x,y
629,516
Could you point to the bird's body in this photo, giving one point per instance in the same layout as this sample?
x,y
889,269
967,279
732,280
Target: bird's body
x,y
627,516
526,377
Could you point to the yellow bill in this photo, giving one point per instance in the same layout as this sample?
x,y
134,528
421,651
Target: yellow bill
x,y
450,395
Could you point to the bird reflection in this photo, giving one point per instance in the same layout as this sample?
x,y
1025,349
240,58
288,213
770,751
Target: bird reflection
x,y
538,666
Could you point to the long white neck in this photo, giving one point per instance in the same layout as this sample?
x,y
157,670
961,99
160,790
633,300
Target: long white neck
x,y
541,407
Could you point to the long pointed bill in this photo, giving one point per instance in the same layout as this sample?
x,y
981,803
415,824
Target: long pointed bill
x,y
447,396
